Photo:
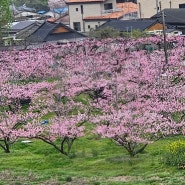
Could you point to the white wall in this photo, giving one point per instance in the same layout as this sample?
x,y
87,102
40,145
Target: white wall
x,y
148,7
92,24
89,9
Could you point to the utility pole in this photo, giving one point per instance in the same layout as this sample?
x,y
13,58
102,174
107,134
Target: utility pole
x,y
157,6
82,13
170,4
164,37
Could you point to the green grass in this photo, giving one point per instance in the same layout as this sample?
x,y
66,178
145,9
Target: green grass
x,y
93,161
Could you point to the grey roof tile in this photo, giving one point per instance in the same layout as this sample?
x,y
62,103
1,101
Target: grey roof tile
x,y
172,16
45,33
22,25
128,25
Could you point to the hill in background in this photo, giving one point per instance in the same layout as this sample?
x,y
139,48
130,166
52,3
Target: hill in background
x,y
37,4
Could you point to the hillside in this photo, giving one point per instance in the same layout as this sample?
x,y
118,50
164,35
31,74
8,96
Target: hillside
x,y
37,4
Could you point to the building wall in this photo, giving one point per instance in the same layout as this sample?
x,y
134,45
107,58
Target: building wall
x,y
76,15
89,25
108,1
89,9
148,8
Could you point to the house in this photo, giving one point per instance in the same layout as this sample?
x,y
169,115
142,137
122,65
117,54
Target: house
x,y
36,32
147,8
26,15
54,32
16,27
173,32
52,14
130,25
124,11
19,26
63,19
89,14
174,18
11,35
25,8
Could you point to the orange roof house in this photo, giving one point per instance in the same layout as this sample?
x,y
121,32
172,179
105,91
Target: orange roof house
x,y
122,9
114,15
89,14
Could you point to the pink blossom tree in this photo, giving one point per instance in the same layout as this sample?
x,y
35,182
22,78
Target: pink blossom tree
x,y
15,93
68,116
142,100
136,94
135,91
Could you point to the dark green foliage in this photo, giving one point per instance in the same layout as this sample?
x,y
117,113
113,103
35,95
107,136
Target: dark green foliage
x,y
68,179
108,32
5,16
134,34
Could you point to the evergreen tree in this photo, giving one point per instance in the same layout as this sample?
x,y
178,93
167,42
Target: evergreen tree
x,y
5,15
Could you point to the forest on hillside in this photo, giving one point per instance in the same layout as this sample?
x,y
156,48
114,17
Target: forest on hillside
x,y
37,4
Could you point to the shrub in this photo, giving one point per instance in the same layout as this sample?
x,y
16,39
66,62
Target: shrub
x,y
107,32
68,179
174,154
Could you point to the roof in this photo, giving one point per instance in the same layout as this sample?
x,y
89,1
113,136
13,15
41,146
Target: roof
x,y
25,8
83,1
172,16
171,30
128,25
46,33
22,25
122,9
28,31
114,15
60,10
63,18
41,12
127,7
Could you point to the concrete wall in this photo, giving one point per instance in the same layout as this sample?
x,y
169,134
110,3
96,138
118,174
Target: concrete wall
x,y
92,24
89,9
147,8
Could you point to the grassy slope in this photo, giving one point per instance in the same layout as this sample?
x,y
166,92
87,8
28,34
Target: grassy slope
x,y
93,161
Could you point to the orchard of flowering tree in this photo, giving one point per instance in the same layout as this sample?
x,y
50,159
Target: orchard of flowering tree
x,y
127,93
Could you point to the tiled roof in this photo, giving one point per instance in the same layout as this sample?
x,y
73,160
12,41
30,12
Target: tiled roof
x,y
114,15
172,16
41,33
128,25
28,31
51,19
83,1
127,7
45,33
63,19
22,25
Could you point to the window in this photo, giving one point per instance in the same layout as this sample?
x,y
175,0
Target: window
x,y
76,26
108,6
76,9
181,5
89,26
